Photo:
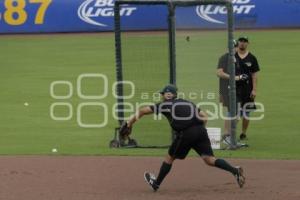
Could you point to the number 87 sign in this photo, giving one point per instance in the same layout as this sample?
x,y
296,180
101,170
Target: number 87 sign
x,y
15,12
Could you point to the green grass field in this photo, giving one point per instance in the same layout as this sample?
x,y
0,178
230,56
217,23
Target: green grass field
x,y
30,63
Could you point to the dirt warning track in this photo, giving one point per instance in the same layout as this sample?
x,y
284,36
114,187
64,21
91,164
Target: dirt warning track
x,y
121,178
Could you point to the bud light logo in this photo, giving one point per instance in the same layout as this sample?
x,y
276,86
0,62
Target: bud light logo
x,y
210,12
93,11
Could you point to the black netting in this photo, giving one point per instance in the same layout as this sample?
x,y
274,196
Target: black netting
x,y
145,63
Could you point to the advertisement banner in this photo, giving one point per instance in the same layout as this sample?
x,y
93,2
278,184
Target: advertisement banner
x,y
34,16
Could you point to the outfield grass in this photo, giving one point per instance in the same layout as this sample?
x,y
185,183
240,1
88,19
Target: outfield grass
x,y
30,63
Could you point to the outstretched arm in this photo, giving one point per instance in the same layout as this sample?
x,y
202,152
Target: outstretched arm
x,y
139,114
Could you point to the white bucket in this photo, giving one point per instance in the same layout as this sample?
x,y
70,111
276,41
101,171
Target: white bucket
x,y
214,135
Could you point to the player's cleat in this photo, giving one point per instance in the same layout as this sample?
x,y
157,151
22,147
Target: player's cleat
x,y
240,177
243,136
151,180
241,145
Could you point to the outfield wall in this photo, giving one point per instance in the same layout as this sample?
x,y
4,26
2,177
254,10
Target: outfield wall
x,y
28,16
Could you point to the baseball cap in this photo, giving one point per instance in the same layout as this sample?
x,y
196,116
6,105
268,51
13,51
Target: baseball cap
x,y
243,38
169,88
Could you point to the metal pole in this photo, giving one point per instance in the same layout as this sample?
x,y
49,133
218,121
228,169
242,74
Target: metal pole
x,y
172,48
119,71
232,84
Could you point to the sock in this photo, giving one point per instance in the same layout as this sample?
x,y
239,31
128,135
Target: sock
x,y
222,164
164,170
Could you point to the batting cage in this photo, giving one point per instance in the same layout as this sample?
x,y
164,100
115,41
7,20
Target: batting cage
x,y
170,52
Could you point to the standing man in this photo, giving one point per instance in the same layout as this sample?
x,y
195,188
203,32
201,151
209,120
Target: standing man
x,y
223,74
247,64
246,68
188,122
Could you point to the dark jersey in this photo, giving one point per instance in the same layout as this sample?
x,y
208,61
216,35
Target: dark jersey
x,y
223,83
180,113
247,65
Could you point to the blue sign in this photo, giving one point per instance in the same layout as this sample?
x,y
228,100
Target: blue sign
x,y
31,16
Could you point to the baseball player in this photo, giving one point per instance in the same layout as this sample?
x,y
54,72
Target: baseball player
x,y
246,90
188,123
223,74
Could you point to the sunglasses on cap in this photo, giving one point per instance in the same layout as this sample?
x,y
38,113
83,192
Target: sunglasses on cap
x,y
243,40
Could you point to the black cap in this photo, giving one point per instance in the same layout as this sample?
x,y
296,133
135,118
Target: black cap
x,y
243,38
169,88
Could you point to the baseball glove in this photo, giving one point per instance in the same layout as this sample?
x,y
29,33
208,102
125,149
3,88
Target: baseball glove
x,y
244,77
124,131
